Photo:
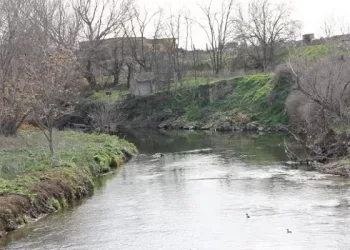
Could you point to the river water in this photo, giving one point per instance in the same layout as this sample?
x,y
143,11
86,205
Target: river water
x,y
197,197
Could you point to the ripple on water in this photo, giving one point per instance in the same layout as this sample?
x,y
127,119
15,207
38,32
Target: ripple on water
x,y
260,174
147,207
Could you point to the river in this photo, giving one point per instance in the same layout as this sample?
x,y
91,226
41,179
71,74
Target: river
x,y
197,196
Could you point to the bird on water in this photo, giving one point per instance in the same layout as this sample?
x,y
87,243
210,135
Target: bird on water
x,y
288,231
247,215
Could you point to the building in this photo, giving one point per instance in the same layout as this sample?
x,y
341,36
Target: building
x,y
108,54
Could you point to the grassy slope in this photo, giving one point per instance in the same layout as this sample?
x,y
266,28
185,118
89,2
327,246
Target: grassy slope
x,y
311,52
29,186
252,96
255,96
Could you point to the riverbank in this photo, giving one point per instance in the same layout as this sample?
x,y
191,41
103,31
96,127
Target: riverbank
x,y
31,187
248,103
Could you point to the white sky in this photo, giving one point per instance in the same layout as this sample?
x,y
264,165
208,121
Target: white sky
x,y
311,13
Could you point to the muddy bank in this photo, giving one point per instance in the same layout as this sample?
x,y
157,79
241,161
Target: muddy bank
x,y
44,192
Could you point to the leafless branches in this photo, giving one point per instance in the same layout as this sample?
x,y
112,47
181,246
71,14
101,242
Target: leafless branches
x,y
321,97
140,20
262,28
100,18
333,25
54,85
218,29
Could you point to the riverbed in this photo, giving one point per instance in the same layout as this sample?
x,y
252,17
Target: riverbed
x,y
192,190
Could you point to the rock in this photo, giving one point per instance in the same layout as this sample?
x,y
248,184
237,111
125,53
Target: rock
x,y
190,127
164,125
226,126
251,127
280,128
204,128
161,126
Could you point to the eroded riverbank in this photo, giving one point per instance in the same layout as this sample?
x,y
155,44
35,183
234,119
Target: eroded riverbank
x,y
31,188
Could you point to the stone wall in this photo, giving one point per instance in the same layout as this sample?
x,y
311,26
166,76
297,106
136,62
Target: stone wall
x,y
142,84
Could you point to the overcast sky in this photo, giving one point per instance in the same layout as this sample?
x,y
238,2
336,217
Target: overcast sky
x,y
311,13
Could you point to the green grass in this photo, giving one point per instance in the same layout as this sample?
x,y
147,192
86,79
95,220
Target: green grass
x,y
314,51
190,104
252,96
191,81
25,157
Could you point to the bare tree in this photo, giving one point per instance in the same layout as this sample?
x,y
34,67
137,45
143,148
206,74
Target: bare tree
x,y
100,19
118,55
57,21
335,26
189,38
344,26
263,28
325,82
195,60
111,57
218,29
158,54
154,55
320,101
104,116
173,27
16,45
328,27
54,84
136,30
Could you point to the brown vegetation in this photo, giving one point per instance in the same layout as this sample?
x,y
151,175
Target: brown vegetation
x,y
320,102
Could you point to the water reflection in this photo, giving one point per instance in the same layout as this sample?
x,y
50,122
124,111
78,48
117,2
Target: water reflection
x,y
196,197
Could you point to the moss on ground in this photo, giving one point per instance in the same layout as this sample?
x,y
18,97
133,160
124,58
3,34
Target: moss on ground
x,y
30,185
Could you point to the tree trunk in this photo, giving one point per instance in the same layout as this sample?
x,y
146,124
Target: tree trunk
x,y
52,151
90,76
194,63
116,78
129,75
265,59
51,143
217,66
